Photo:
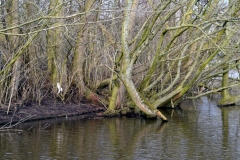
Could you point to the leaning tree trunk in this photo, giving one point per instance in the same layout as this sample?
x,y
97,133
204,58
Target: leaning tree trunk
x,y
118,90
127,68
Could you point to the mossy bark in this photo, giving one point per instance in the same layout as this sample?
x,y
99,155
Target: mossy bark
x,y
114,96
12,8
227,99
77,69
127,66
57,67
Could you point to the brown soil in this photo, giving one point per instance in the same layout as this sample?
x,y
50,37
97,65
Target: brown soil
x,y
49,109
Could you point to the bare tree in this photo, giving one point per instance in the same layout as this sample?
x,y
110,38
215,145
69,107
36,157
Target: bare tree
x,y
127,55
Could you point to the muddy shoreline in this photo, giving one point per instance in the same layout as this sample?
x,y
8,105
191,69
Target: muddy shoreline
x,y
47,110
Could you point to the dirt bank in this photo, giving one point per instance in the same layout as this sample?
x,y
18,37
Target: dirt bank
x,y
47,110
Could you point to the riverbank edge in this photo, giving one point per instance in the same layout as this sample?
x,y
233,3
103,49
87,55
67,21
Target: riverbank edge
x,y
47,110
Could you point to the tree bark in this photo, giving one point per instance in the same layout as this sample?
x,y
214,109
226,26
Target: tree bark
x,y
127,66
79,53
14,44
57,67
227,99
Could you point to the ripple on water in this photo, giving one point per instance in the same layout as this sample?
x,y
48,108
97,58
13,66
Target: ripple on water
x,y
207,132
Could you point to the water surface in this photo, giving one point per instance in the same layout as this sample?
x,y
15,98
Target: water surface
x,y
200,131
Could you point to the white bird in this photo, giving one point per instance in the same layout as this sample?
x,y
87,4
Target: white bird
x,y
60,89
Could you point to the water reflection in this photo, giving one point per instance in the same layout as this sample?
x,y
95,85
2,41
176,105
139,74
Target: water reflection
x,y
201,132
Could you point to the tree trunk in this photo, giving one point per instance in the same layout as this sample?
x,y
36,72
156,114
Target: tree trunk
x,y
135,97
227,99
14,44
57,67
117,98
79,54
127,67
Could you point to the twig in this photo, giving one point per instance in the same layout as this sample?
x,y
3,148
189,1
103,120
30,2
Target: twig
x,y
9,124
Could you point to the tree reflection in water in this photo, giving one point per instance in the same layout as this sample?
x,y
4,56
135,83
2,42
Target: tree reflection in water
x,y
205,132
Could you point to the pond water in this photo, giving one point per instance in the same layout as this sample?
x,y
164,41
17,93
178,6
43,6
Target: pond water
x,y
201,130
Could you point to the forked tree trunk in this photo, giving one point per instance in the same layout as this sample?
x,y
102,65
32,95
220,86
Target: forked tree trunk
x,y
117,98
127,67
